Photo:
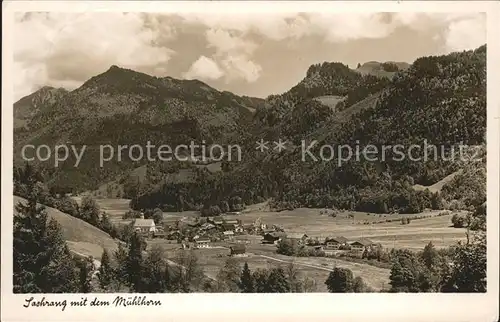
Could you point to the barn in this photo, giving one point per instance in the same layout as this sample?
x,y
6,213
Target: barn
x,y
237,250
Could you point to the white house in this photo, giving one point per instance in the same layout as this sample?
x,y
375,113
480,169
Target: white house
x,y
299,237
361,244
145,225
335,242
228,234
202,242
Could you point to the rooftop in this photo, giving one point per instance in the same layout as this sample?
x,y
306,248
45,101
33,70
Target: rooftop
x,y
144,222
296,235
340,239
277,234
228,226
363,241
238,247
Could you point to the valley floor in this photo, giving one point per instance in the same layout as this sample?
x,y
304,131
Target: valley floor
x,y
351,225
393,234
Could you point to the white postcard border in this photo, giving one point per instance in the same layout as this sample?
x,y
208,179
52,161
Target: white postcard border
x,y
286,307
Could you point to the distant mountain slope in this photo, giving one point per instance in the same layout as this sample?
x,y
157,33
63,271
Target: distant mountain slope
x,y
82,237
29,106
436,187
330,100
121,106
387,69
439,99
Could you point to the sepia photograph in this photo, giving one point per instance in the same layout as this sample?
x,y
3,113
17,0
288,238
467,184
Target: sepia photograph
x,y
309,152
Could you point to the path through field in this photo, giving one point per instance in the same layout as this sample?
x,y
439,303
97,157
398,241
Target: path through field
x,y
375,277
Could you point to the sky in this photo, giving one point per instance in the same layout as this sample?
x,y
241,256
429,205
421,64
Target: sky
x,y
247,54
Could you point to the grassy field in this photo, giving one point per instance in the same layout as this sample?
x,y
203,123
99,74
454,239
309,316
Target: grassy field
x,y
438,185
263,256
348,224
306,220
115,208
82,238
390,234
330,100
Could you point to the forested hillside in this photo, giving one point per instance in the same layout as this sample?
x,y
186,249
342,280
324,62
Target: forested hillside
x,y
440,100
121,106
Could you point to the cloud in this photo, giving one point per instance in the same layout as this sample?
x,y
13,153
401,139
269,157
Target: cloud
x,y
466,33
204,68
225,41
234,51
65,49
62,49
240,67
334,27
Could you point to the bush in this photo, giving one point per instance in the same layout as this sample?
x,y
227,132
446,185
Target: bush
x,y
210,211
314,253
287,247
359,286
458,220
340,280
131,214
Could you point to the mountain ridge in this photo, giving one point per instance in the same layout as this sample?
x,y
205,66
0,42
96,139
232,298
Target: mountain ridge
x,y
403,108
111,108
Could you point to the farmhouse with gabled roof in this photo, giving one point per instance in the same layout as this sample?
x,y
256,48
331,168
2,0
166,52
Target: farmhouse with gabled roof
x,y
145,225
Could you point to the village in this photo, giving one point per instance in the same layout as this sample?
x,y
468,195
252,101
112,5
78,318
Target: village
x,y
227,232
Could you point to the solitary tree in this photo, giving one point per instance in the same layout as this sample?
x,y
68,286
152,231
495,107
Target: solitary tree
x,y
153,272
167,277
158,216
246,280
430,256
287,247
408,274
134,262
468,272
359,286
277,281
89,211
190,273
121,270
340,280
260,277
105,271
87,269
229,275
294,280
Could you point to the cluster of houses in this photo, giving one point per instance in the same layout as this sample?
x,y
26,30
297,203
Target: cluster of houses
x,y
329,243
222,228
227,226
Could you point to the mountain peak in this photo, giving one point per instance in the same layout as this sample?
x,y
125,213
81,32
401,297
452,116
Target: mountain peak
x,y
28,106
116,68
46,88
115,77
